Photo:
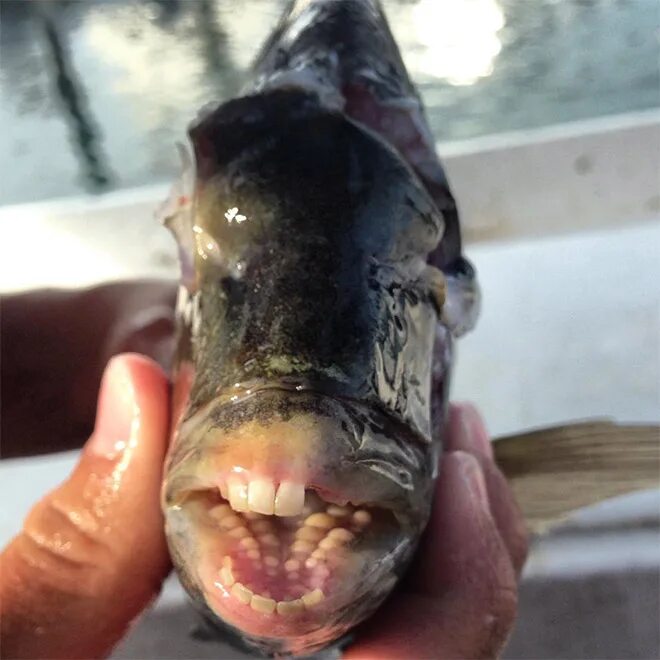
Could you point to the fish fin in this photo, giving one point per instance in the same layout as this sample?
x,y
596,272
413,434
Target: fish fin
x,y
555,471
176,214
462,303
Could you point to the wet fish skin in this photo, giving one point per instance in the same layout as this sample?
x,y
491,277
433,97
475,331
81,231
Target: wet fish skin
x,y
314,340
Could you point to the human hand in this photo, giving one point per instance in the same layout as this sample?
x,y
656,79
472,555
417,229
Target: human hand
x,y
459,599
92,554
98,539
56,344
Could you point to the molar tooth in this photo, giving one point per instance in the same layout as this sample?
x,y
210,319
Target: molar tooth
x,y
302,546
313,534
261,496
328,543
262,526
291,565
229,522
362,517
261,604
338,511
341,534
322,520
312,598
241,593
239,533
220,511
249,542
290,499
269,540
271,561
238,494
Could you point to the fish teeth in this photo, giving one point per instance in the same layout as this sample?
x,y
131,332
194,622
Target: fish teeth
x,y
261,496
290,499
238,494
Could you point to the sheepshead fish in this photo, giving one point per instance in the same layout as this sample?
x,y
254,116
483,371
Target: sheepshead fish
x,y
322,286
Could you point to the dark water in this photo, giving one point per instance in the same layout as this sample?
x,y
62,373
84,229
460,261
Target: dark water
x,y
95,94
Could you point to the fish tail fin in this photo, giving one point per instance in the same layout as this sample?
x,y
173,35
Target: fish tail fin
x,y
555,471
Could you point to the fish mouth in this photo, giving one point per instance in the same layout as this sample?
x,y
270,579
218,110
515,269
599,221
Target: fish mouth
x,y
285,531
286,576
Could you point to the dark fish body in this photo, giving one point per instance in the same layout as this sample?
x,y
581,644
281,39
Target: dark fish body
x,y
322,283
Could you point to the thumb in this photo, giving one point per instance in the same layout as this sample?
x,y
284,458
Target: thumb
x,y
91,554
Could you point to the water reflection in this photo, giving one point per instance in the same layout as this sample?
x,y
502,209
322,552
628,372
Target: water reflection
x,y
458,38
105,89
73,99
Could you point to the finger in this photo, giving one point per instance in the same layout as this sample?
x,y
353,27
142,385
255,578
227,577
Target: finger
x,y
461,598
467,432
92,554
67,336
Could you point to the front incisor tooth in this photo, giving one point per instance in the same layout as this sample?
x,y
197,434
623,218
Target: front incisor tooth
x,y
312,598
263,605
241,593
289,607
290,499
322,520
261,496
238,494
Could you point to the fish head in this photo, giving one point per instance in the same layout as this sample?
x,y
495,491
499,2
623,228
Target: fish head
x,y
292,514
301,467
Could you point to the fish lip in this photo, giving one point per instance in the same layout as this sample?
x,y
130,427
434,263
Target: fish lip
x,y
398,467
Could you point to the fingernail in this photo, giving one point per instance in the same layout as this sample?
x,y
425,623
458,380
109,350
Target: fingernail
x,y
473,430
116,412
473,477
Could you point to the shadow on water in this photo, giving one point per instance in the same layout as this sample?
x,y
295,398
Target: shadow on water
x,y
85,132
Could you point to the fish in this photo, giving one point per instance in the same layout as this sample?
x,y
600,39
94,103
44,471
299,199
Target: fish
x,y
323,288
323,285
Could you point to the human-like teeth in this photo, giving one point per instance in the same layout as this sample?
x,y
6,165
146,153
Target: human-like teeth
x,y
337,511
322,520
362,517
238,494
220,511
287,607
227,576
313,534
341,534
261,496
241,593
290,499
261,604
312,598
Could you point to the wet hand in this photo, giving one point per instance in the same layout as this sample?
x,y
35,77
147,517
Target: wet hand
x,y
92,554
459,600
